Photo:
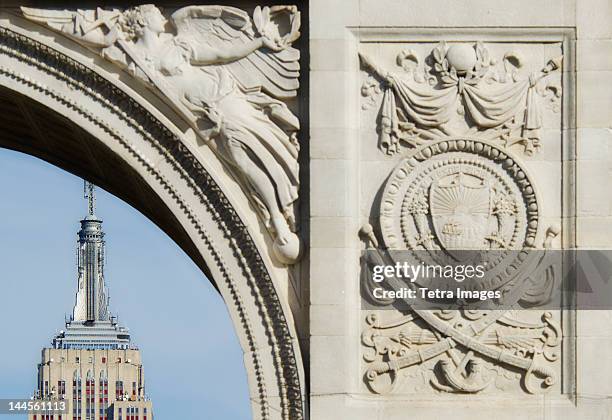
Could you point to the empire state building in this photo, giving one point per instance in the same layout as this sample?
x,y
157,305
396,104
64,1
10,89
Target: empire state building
x,y
92,366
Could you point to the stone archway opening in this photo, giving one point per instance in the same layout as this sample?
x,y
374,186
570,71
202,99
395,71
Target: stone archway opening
x,y
28,127
61,104
175,316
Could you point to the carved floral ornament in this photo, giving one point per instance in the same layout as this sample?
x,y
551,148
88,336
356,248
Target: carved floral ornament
x,y
460,82
228,74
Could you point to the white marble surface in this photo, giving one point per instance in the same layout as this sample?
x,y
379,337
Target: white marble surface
x,y
574,142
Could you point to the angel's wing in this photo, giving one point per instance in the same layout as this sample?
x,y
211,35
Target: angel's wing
x,y
221,26
56,19
86,26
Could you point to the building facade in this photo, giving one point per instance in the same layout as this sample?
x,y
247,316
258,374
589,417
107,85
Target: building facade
x,y
92,367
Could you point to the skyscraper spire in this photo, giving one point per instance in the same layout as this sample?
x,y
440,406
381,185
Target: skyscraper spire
x,y
91,299
91,326
92,369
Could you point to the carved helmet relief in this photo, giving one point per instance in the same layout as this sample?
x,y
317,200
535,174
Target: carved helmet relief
x,y
459,122
228,74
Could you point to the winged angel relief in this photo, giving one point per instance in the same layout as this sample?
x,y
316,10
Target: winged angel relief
x,y
228,74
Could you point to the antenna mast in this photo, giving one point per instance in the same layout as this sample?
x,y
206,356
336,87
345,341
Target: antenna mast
x,y
90,194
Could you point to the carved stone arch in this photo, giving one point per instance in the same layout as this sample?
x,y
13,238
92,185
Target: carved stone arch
x,y
99,114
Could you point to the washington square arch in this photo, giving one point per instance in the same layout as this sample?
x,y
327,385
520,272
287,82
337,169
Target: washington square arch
x,y
280,146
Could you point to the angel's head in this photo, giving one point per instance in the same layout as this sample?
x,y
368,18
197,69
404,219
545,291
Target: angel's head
x,y
136,20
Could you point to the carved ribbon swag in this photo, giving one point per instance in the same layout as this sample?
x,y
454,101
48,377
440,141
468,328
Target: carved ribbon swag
x,y
412,112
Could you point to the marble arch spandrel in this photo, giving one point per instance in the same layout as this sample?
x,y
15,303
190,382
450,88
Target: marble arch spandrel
x,y
227,73
485,97
153,99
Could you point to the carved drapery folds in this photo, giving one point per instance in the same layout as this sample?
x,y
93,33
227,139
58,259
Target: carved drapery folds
x,y
228,74
461,126
462,83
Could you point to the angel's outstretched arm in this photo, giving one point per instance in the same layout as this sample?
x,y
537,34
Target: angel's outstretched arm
x,y
205,54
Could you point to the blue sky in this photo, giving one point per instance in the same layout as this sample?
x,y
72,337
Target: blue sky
x,y
158,292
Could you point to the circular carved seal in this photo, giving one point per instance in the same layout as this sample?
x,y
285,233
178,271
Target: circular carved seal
x,y
459,194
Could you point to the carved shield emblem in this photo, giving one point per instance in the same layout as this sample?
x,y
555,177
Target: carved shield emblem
x,y
460,207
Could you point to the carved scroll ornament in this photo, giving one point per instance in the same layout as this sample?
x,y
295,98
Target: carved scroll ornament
x,y
228,74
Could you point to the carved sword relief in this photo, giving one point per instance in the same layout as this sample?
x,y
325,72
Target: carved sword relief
x,y
451,196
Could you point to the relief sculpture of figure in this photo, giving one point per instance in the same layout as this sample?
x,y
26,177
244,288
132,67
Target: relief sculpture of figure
x,y
228,74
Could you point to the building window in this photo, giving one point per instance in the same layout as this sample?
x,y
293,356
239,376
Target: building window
x,y
76,396
90,396
103,395
61,388
119,390
104,360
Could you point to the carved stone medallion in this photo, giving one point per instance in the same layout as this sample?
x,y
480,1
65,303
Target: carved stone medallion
x,y
450,196
458,195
